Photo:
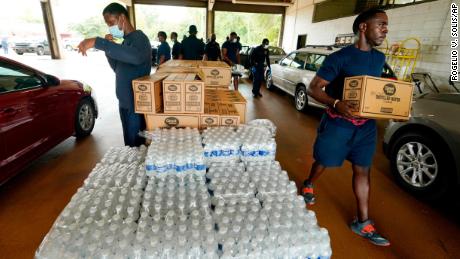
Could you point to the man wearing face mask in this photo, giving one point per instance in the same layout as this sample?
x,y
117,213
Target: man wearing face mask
x,y
176,49
164,51
231,55
130,60
212,50
258,58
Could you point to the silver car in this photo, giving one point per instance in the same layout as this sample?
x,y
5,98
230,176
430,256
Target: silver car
x,y
294,73
424,152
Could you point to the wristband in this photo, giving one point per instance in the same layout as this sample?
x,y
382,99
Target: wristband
x,y
335,103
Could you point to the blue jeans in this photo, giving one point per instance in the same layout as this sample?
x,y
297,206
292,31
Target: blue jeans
x,y
258,77
338,139
132,124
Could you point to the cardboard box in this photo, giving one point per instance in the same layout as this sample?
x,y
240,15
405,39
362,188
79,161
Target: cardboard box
x,y
194,95
218,87
183,93
179,66
211,117
173,93
234,97
379,98
154,121
148,93
215,73
228,115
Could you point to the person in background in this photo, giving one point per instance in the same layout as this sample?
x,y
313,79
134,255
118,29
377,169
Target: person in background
x,y
231,55
258,58
164,51
342,136
176,49
212,50
5,45
130,60
240,47
192,47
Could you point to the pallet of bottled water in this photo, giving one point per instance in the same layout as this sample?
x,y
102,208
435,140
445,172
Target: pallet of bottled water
x,y
237,208
175,151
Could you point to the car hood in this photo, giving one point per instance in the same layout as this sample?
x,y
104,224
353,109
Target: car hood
x,y
452,98
75,85
442,109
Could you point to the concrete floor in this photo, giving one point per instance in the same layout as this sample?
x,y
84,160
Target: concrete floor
x,y
30,202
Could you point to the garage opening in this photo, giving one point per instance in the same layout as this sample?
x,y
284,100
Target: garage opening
x,y
251,27
23,31
154,18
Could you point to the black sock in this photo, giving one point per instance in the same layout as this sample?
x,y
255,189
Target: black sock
x,y
307,183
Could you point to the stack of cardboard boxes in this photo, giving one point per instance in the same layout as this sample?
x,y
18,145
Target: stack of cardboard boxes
x,y
189,94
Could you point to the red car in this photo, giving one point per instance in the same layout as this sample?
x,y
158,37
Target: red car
x,y
37,112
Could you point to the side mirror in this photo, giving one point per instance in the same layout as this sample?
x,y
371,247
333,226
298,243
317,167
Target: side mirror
x,y
52,80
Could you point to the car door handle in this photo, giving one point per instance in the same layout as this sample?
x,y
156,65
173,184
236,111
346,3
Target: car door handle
x,y
9,111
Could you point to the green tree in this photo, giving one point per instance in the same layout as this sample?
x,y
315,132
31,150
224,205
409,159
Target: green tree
x,y
251,27
149,20
91,27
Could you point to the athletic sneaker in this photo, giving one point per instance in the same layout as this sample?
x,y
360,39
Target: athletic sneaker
x,y
367,230
307,193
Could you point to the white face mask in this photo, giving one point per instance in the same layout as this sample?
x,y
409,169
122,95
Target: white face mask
x,y
265,46
116,32
235,40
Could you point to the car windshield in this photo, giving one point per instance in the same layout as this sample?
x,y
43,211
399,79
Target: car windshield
x,y
276,51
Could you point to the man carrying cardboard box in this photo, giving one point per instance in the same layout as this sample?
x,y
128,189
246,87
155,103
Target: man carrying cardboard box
x,y
340,135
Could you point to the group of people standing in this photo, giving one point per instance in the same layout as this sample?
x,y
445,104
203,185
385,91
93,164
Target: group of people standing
x,y
192,48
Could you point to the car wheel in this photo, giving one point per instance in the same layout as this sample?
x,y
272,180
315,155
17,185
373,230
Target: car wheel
x,y
19,53
301,99
40,51
69,48
269,81
85,118
420,165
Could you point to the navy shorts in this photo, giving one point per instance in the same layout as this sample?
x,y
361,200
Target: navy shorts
x,y
339,139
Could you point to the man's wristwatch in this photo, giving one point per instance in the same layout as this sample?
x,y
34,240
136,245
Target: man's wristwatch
x,y
335,103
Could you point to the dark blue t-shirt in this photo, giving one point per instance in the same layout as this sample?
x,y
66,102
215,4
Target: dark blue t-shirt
x,y
165,50
232,50
347,62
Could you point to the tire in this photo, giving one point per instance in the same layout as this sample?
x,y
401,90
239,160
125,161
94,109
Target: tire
x,y
428,153
269,81
40,51
301,99
19,53
85,118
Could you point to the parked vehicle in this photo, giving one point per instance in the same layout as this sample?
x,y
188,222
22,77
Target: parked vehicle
x,y
294,72
275,53
71,44
37,112
424,152
41,47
